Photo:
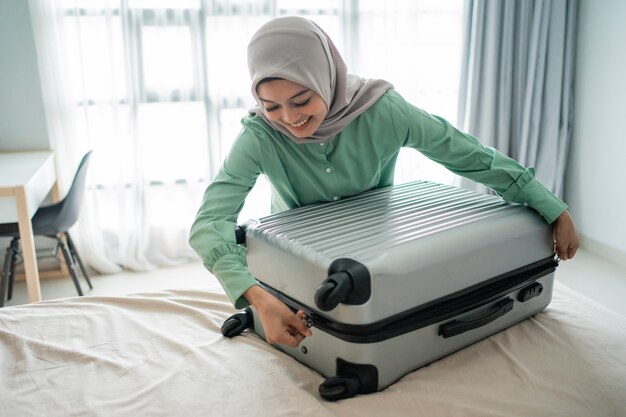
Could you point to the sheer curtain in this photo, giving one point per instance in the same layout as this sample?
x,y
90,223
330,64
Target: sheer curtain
x,y
417,46
157,89
131,89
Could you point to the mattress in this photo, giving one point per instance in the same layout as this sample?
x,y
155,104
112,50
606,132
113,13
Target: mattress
x,y
162,354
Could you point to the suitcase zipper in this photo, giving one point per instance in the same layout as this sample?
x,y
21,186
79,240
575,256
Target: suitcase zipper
x,y
425,315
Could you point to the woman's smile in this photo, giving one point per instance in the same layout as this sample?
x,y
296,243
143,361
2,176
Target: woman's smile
x,y
301,123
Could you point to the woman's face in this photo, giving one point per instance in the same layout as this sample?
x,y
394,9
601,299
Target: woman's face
x,y
297,108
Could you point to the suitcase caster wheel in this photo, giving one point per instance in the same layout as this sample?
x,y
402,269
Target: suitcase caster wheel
x,y
340,387
236,324
333,291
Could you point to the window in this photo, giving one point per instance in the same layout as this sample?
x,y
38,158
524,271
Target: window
x,y
165,82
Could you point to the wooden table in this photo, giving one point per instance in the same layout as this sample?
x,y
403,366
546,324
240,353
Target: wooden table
x,y
26,178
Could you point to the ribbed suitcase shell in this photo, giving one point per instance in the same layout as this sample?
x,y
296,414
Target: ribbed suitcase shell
x,y
420,241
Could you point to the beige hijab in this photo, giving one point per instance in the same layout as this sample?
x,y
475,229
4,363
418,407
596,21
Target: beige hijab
x,y
296,49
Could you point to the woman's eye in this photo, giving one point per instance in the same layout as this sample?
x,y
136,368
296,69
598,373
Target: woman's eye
x,y
271,109
304,103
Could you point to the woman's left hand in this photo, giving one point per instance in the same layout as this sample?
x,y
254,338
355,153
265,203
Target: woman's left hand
x,y
566,237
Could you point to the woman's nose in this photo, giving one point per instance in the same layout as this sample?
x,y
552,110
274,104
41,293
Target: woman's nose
x,y
290,115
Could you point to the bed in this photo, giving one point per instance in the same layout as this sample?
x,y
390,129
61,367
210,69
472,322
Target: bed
x,y
162,354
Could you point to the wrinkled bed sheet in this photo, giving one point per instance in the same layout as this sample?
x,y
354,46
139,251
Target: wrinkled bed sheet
x,y
162,354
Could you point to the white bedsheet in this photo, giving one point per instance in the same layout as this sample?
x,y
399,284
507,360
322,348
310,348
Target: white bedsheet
x,y
162,354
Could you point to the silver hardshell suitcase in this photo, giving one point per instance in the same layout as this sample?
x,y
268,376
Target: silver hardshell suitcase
x,y
395,278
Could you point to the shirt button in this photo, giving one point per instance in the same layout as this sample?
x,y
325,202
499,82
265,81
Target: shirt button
x,y
322,144
328,170
335,198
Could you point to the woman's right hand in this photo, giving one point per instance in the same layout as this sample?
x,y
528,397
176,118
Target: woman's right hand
x,y
280,324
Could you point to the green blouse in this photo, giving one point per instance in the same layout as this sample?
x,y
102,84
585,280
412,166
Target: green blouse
x,y
360,158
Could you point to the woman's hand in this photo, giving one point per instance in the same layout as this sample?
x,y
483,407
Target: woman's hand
x,y
280,324
566,237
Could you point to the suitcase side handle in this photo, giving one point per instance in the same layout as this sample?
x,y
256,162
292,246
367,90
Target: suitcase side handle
x,y
457,327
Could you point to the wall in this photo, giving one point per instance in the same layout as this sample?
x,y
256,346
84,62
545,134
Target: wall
x,y
22,118
596,186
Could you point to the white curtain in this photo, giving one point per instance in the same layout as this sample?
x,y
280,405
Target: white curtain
x,y
157,88
123,80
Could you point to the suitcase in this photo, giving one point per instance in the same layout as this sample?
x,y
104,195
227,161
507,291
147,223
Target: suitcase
x,y
396,278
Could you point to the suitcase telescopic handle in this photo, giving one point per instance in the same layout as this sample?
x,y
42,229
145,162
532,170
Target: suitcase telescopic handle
x,y
456,327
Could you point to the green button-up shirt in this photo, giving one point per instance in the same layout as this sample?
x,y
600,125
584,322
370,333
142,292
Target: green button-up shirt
x,y
360,158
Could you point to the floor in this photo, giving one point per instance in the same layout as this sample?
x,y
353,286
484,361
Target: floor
x,y
598,279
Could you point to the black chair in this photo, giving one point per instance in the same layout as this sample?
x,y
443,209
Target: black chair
x,y
52,221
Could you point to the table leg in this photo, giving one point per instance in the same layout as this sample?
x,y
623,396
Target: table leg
x,y
56,192
28,246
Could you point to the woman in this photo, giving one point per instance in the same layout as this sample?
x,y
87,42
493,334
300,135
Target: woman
x,y
320,134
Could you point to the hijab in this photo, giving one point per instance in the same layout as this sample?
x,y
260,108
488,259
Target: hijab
x,y
296,49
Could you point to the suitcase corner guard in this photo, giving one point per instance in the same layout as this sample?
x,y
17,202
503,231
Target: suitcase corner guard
x,y
348,282
240,230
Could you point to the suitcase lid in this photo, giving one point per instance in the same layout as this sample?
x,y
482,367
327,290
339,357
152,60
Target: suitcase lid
x,y
419,242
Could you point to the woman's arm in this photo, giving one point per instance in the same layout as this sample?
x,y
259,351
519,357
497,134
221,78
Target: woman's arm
x,y
464,155
213,237
212,234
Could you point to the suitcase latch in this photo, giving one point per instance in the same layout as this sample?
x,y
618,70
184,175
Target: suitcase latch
x,y
531,291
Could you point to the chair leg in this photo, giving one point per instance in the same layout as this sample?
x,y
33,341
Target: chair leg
x,y
74,252
8,272
15,250
70,265
4,283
